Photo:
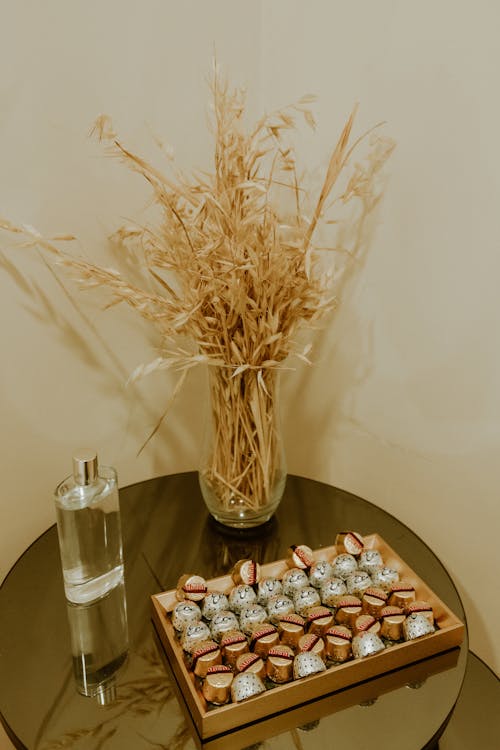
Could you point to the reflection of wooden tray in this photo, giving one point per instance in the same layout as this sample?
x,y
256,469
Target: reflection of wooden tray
x,y
214,721
364,693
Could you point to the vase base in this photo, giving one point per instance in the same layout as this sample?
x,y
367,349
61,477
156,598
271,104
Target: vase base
x,y
235,513
241,522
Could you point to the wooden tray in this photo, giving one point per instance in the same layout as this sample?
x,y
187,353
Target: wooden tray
x,y
212,721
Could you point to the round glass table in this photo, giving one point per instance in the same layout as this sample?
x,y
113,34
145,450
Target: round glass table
x,y
167,532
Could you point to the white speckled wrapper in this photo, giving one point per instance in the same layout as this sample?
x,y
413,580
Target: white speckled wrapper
x,y
370,560
358,582
366,644
241,596
306,664
214,602
222,623
185,613
416,625
278,606
384,577
194,634
304,599
320,572
245,685
268,588
250,616
293,580
332,590
343,565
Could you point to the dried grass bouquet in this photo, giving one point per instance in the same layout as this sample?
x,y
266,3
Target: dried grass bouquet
x,y
236,270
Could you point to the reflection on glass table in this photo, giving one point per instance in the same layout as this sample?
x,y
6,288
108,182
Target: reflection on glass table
x,y
167,532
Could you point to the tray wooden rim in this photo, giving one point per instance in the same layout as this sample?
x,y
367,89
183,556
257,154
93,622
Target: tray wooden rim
x,y
283,697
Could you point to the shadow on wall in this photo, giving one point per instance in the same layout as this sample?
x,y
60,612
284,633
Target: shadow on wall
x,y
319,399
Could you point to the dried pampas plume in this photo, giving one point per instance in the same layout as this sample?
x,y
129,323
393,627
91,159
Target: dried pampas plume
x,y
233,258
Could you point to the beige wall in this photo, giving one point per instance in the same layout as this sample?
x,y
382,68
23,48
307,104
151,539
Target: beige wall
x,y
403,406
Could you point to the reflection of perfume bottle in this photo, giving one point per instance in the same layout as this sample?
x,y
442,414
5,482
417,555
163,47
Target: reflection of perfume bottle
x,y
88,524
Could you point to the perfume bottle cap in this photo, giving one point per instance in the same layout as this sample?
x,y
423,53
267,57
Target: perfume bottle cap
x,y
85,467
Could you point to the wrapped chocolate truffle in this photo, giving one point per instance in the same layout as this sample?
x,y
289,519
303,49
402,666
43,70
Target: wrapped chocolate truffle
x,y
251,663
301,557
278,606
264,637
205,655
267,588
293,580
233,644
306,663
185,613
241,596
304,599
319,619
391,623
332,590
366,624
214,602
192,587
193,635
401,594
246,571
338,641
279,665
250,616
370,560
348,609
343,565
366,644
245,685
383,578
373,601
217,685
350,542
416,625
320,572
313,644
222,623
422,607
358,582
291,629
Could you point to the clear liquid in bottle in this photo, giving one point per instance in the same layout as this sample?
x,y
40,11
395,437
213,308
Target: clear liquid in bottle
x,y
90,542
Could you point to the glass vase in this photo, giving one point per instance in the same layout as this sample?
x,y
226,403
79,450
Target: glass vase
x,y
242,471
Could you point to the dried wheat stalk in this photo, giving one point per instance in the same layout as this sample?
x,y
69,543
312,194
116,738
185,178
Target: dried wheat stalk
x,y
234,272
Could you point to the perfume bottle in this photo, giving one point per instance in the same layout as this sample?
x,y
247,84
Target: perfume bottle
x,y
90,543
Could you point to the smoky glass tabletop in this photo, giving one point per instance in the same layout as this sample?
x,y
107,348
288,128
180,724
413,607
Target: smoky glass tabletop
x,y
167,532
